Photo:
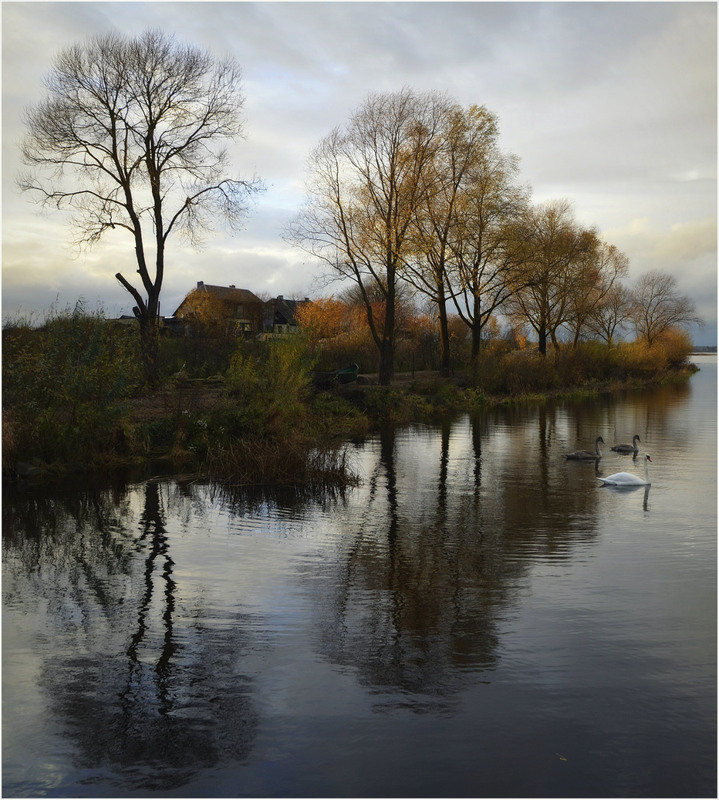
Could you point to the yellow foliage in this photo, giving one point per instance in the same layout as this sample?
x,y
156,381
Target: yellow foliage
x,y
637,357
677,346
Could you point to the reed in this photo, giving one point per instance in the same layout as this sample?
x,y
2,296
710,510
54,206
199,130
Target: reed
x,y
295,461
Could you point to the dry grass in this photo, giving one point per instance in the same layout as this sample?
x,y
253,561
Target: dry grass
x,y
295,462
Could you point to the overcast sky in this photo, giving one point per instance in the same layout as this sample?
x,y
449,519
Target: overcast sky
x,y
611,105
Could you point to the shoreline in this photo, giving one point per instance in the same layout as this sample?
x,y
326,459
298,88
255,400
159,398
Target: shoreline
x,y
159,424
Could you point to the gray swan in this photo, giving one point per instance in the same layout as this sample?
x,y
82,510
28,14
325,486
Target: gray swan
x,y
586,455
628,448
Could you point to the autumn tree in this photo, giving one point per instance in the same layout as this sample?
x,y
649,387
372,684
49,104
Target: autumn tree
x,y
489,264
466,136
556,251
364,186
657,306
132,137
598,273
323,318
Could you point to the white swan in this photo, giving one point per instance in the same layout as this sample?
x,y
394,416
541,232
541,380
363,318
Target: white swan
x,y
586,455
627,478
628,448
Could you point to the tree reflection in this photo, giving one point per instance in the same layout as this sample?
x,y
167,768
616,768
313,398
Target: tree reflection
x,y
153,538
416,613
430,577
129,688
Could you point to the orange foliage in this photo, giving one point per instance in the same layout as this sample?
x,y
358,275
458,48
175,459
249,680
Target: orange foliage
x,y
323,318
419,326
207,312
458,329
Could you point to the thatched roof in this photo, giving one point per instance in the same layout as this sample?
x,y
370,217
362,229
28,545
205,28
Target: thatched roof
x,y
229,294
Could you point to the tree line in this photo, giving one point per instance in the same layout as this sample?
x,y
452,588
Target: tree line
x,y
416,190
413,192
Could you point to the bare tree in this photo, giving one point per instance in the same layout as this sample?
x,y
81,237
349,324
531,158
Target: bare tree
x,y
133,136
609,316
364,188
488,255
657,306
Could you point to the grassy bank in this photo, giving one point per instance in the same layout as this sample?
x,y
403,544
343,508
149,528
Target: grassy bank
x,y
73,401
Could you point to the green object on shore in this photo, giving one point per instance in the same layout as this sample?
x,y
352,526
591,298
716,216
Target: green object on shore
x,y
341,376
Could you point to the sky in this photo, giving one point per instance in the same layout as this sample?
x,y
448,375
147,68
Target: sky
x,y
612,106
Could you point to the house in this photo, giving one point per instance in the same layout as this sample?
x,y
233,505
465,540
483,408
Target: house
x,y
235,310
238,311
279,315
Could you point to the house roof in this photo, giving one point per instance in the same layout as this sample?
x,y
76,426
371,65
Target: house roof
x,y
229,294
285,310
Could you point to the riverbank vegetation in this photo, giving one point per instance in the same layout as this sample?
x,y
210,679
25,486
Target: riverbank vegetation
x,y
75,397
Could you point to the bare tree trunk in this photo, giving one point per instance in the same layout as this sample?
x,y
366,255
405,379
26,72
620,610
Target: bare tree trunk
x,y
445,362
476,328
386,363
149,344
542,336
386,348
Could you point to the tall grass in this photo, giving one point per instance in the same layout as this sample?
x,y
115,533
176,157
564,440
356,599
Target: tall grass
x,y
526,372
296,461
65,383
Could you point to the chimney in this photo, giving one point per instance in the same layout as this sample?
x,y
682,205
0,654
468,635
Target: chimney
x,y
200,284
280,297
232,286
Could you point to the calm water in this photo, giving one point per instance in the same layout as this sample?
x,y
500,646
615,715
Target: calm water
x,y
479,618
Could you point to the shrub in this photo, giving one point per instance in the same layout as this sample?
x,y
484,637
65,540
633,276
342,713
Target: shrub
x,y
527,372
271,387
639,360
588,362
197,356
677,346
65,384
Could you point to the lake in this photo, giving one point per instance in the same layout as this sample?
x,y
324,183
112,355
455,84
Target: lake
x,y
479,618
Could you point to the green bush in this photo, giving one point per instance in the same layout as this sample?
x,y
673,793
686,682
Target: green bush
x,y
64,384
271,387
